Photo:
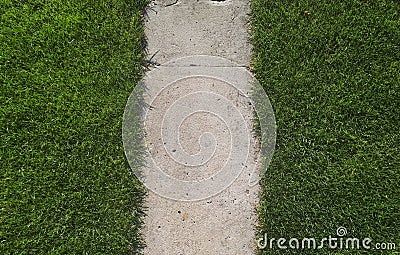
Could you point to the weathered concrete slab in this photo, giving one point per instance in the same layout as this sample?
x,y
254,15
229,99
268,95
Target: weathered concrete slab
x,y
223,223
199,27
202,202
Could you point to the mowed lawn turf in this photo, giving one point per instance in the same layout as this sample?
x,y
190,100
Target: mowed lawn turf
x,y
67,68
331,70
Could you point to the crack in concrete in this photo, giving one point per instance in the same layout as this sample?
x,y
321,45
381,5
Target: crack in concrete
x,y
171,4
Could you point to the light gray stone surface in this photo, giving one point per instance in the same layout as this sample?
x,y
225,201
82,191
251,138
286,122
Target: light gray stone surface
x,y
224,223
199,27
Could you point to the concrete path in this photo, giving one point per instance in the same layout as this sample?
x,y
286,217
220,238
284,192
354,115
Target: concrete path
x,y
213,224
179,28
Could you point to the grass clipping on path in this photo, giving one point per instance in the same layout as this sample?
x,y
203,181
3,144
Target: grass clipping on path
x,y
331,70
67,68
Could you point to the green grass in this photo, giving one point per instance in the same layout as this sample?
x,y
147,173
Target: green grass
x,y
331,70
67,68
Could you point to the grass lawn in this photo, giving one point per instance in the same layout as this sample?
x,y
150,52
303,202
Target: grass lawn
x,y
67,68
331,70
